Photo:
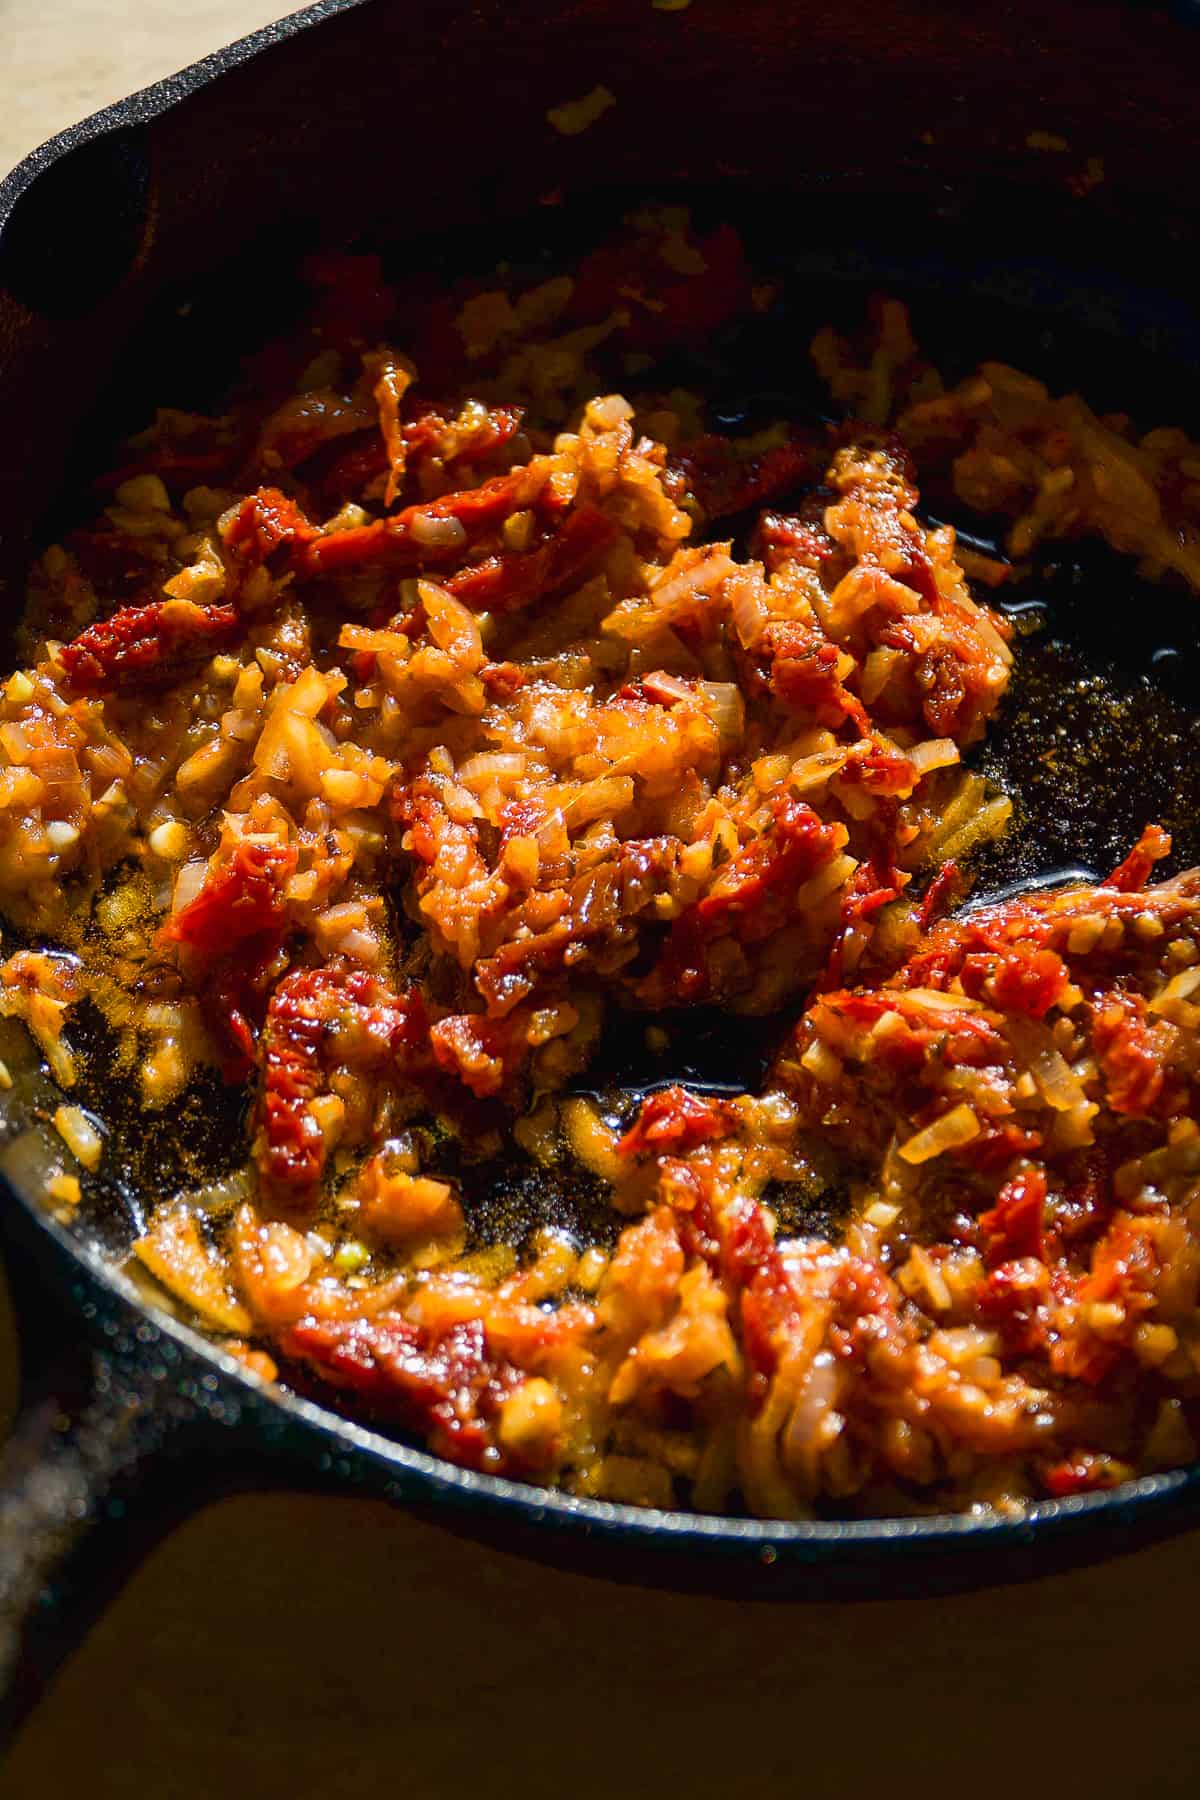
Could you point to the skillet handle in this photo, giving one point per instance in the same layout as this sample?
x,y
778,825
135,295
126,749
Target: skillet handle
x,y
100,1465
89,1424
123,1434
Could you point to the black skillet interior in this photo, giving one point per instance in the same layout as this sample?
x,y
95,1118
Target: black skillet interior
x,y
887,150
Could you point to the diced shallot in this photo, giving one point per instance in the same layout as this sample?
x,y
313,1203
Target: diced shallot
x,y
934,753
727,709
950,1132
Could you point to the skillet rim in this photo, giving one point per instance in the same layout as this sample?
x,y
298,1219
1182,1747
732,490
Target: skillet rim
x,y
812,1542
148,103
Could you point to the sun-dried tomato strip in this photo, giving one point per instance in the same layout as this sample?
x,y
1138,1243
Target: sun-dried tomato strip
x,y
410,540
450,1386
1134,871
317,1017
507,581
675,1120
237,902
141,646
723,481
264,522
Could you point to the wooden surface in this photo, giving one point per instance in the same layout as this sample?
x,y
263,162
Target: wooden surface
x,y
292,1649
63,60
303,1649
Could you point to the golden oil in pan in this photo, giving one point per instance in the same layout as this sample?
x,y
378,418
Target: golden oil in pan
x,y
1099,734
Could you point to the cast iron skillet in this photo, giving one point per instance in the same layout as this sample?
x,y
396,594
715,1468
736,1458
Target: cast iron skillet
x,y
880,146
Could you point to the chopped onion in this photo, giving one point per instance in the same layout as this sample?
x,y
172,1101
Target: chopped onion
x,y
460,803
435,533
599,799
814,1423
923,1281
1086,933
452,626
988,822
862,587
79,1134
748,604
701,578
673,686
492,765
1056,1081
726,708
935,999
819,886
16,743
1131,1178
955,1128
609,412
877,672
108,763
175,1252
814,771
1180,987
991,637
768,770
241,724
1073,1129
821,1062
934,753
592,1139
188,884
361,637
310,692
925,630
